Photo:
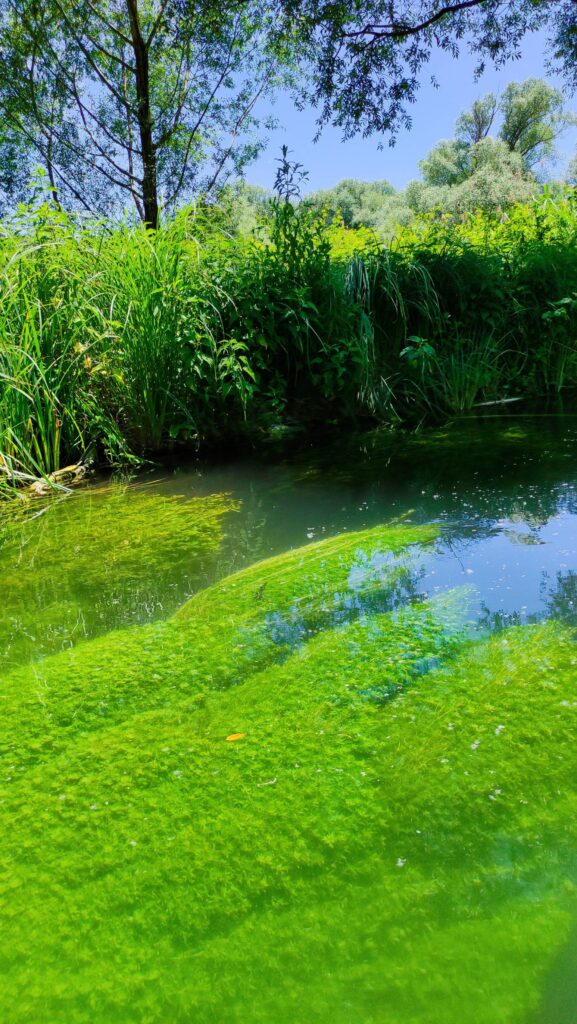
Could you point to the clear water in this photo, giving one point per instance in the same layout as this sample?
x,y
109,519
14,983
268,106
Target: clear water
x,y
504,494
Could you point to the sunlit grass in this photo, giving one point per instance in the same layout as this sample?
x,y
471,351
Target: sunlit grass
x,y
119,343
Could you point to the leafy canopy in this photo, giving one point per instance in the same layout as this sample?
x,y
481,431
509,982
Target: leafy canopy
x,y
146,102
367,57
138,102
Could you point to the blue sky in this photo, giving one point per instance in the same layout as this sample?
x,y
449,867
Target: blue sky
x,y
434,114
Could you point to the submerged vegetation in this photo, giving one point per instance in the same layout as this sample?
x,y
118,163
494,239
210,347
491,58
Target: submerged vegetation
x,y
299,781
115,344
98,559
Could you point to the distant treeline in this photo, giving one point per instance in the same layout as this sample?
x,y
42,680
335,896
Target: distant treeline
x,y
502,152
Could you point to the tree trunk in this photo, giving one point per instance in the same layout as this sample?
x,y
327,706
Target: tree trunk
x,y
50,169
144,117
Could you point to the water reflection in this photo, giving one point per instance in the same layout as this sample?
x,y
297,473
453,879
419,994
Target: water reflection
x,y
504,492
560,597
377,583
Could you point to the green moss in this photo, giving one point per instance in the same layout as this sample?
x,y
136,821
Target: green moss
x,y
221,635
357,572
97,558
391,841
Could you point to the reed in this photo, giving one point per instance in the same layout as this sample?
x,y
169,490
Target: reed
x,y
116,342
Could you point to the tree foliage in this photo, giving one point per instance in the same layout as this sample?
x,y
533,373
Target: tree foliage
x,y
356,203
146,102
495,179
448,163
533,118
474,170
530,115
476,123
367,58
137,101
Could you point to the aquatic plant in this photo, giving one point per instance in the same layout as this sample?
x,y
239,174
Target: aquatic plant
x,y
219,636
321,582
100,558
202,822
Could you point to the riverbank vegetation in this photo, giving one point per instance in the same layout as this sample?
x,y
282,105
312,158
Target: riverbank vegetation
x,y
119,343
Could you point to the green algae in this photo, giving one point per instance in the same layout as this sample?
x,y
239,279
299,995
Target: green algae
x,y
319,584
219,636
274,865
98,558
390,841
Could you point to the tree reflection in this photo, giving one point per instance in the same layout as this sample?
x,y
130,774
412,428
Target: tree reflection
x,y
560,599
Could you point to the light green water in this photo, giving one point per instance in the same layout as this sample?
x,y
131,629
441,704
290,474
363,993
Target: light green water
x,y
265,758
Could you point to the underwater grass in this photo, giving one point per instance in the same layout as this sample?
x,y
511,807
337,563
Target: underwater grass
x,y
99,558
388,839
219,636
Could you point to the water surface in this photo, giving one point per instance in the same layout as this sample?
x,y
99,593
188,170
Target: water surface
x,y
503,490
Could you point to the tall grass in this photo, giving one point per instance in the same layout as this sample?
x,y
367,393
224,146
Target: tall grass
x,y
116,343
47,410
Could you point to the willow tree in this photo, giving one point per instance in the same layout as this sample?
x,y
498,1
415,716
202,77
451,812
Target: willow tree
x,y
367,58
138,100
148,100
528,119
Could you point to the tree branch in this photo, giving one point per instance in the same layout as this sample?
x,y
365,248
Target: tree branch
x,y
90,60
84,110
201,118
67,76
247,110
113,28
402,30
36,145
156,25
100,149
169,132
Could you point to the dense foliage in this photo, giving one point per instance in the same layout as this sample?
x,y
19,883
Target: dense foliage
x,y
367,59
502,151
128,104
115,344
